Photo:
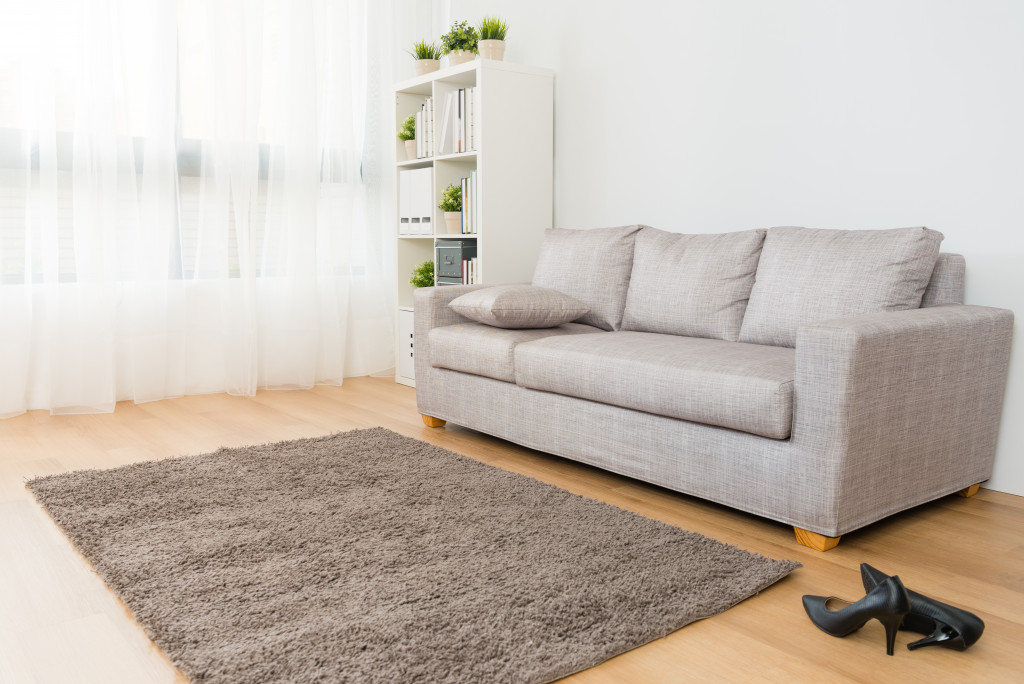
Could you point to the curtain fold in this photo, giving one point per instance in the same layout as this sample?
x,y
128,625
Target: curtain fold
x,y
184,199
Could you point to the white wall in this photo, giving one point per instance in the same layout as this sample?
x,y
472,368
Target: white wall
x,y
713,115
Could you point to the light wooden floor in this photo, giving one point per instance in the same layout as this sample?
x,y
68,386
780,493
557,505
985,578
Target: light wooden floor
x,y
58,622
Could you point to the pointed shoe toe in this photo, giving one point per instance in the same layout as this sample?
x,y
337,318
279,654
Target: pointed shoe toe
x,y
888,603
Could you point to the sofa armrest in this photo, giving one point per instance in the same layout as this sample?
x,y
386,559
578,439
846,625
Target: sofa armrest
x,y
430,310
898,408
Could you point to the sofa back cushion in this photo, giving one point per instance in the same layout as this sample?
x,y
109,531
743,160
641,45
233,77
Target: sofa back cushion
x,y
947,283
692,285
808,275
591,265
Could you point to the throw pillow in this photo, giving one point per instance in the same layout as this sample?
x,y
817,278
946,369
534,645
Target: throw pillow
x,y
518,306
808,275
692,285
591,265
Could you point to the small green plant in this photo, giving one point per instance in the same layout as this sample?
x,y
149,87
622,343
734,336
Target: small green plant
x,y
451,198
408,129
493,28
461,36
421,49
423,275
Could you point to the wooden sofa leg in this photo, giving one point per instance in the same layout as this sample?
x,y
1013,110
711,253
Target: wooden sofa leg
x,y
818,542
431,421
969,491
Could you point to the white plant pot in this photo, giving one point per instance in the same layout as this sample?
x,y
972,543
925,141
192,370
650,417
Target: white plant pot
x,y
491,49
453,219
460,57
410,149
425,66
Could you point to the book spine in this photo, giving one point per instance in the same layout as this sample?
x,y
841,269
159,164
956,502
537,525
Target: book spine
x,y
473,195
459,118
469,203
472,115
463,184
476,118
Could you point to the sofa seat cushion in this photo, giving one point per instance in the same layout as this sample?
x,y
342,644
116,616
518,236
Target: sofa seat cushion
x,y
745,387
485,350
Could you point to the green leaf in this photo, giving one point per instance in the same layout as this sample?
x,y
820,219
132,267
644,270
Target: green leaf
x,y
461,36
423,275
451,198
493,28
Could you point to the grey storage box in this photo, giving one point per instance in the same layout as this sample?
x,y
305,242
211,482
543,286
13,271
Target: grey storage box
x,y
450,255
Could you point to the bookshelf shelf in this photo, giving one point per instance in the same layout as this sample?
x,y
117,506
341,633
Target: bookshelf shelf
x,y
513,170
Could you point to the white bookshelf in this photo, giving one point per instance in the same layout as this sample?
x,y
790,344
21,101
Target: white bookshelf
x,y
513,161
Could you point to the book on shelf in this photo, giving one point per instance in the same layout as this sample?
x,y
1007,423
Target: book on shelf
x,y
469,271
469,119
462,211
444,142
459,126
419,132
476,116
470,212
424,127
474,203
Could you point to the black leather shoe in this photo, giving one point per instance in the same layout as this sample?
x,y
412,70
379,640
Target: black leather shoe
x,y
888,603
945,625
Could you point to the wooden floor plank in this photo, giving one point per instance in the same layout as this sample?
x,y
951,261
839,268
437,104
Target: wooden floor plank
x,y
59,623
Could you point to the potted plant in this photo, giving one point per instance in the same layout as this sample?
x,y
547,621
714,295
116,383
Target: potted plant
x,y
492,38
408,133
423,275
451,205
427,56
460,43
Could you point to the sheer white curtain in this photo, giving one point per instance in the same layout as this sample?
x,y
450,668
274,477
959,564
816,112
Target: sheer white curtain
x,y
190,198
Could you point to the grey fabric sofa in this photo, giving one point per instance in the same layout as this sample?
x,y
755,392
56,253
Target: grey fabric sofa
x,y
839,421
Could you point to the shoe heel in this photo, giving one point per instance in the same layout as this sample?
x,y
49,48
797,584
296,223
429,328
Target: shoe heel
x,y
892,625
943,636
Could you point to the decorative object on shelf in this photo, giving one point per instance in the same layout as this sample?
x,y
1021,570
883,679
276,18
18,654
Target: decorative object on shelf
x,y
460,43
454,260
423,275
492,38
407,133
451,205
427,56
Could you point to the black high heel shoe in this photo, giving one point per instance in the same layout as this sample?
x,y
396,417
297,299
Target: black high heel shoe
x,y
944,625
888,603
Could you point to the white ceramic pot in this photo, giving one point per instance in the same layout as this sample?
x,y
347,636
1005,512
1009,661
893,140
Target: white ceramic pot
x,y
491,49
453,219
410,149
425,66
460,57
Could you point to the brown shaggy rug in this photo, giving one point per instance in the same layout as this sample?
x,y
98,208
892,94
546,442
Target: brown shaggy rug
x,y
368,556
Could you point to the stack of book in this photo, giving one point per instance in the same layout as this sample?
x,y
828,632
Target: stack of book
x,y
470,204
469,274
459,130
425,129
